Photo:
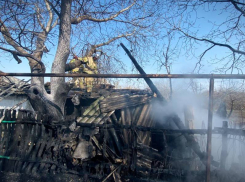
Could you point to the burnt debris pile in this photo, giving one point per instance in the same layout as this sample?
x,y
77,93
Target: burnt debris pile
x,y
115,137
109,135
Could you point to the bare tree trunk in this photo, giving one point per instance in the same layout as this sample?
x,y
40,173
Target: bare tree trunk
x,y
53,104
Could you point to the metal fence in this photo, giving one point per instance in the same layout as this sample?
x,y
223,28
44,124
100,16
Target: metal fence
x,y
8,127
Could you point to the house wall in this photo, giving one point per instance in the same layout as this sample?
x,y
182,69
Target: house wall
x,y
11,101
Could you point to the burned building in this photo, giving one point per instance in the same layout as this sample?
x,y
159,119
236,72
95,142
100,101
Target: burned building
x,y
108,130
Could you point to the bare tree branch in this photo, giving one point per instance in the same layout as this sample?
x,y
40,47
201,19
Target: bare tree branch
x,y
49,24
6,34
39,18
222,1
53,7
88,17
20,51
200,59
113,39
214,43
237,7
21,54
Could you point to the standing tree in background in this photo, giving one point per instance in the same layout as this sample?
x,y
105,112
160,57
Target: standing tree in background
x,y
212,26
169,54
29,28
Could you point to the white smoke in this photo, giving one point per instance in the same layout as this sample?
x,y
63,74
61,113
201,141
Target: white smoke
x,y
199,106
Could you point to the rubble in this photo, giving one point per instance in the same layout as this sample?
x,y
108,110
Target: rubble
x,y
101,144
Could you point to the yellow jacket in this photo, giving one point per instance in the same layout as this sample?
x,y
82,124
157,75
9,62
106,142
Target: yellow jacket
x,y
90,66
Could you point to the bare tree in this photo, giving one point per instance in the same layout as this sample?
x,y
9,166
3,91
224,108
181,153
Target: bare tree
x,y
223,31
167,55
233,97
29,28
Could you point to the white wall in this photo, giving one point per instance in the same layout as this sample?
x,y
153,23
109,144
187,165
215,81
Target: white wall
x,y
11,101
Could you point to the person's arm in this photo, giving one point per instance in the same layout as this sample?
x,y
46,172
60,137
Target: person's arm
x,y
84,60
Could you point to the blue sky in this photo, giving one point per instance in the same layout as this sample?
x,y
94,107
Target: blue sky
x,y
183,64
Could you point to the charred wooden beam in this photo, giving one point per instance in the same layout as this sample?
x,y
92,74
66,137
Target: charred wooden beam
x,y
216,130
142,72
105,132
115,139
193,143
144,115
97,144
150,152
134,147
123,122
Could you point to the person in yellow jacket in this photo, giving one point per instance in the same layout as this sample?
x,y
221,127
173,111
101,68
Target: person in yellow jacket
x,y
89,66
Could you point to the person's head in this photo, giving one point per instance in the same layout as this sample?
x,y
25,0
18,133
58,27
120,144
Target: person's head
x,y
95,56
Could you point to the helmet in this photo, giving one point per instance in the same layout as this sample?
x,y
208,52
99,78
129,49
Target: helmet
x,y
96,56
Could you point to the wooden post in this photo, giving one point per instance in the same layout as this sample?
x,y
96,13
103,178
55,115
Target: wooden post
x,y
134,147
142,72
224,146
189,117
209,134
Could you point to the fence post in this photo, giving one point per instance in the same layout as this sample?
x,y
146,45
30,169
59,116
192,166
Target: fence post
x,y
209,134
224,146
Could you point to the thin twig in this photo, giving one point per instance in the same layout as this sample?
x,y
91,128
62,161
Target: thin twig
x,y
111,173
